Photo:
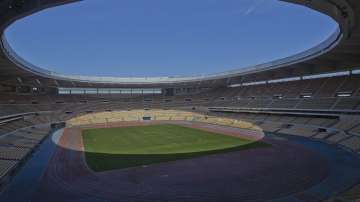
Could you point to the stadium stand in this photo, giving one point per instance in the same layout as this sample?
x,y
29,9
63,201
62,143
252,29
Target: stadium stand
x,y
6,167
18,139
322,108
340,130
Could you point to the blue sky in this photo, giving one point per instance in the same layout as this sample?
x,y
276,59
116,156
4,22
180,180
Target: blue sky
x,y
165,38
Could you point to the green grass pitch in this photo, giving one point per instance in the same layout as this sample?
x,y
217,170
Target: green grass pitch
x,y
116,148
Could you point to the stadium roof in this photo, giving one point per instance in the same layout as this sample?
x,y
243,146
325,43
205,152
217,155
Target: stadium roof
x,y
341,51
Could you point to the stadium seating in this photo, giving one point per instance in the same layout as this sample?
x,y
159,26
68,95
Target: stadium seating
x,y
347,103
17,145
273,107
299,130
6,167
352,143
342,131
320,103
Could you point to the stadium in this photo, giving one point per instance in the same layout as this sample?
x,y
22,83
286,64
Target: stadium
x,y
285,130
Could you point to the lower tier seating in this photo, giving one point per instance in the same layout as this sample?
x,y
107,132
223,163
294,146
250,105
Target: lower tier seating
x,y
17,146
343,130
